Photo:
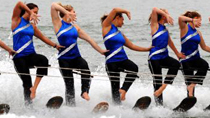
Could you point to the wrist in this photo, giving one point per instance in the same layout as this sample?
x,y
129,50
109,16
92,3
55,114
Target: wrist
x,y
55,45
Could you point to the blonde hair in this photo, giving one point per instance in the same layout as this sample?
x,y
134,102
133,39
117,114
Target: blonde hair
x,y
67,7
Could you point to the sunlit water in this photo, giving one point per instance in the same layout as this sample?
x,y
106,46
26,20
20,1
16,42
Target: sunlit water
x,y
137,30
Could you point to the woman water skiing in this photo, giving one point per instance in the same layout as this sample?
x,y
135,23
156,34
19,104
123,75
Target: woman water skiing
x,y
23,32
116,59
67,33
158,56
191,38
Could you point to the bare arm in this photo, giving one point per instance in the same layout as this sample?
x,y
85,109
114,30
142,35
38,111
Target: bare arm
x,y
7,48
172,46
154,18
55,9
17,11
132,46
203,44
87,38
107,22
39,35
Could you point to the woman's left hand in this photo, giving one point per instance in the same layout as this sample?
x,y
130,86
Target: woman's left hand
x,y
58,47
181,56
103,52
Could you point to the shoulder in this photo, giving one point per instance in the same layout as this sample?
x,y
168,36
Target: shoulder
x,y
77,27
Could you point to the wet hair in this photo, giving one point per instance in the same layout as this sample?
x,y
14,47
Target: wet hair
x,y
105,16
67,7
30,6
192,14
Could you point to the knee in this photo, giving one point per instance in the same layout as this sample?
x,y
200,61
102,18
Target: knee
x,y
134,68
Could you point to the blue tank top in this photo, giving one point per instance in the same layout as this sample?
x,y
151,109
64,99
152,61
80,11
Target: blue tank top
x,y
22,34
67,36
114,42
160,43
190,44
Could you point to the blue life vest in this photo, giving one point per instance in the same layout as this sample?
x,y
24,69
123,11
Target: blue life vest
x,y
114,42
67,36
190,44
23,38
160,43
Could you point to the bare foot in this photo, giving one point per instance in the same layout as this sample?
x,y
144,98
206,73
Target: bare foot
x,y
122,94
86,96
33,93
158,92
190,89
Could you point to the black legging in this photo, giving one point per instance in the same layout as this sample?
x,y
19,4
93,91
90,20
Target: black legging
x,y
77,63
22,65
199,65
113,70
156,66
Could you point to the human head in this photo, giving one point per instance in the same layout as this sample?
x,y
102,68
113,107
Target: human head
x,y
193,15
32,7
66,7
118,18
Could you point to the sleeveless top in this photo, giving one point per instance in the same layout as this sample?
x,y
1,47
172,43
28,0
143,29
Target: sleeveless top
x,y
67,36
190,44
23,39
160,43
114,42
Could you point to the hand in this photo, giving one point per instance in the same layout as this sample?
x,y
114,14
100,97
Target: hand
x,y
196,22
170,20
12,52
181,56
72,17
33,92
58,47
149,48
128,15
34,18
103,52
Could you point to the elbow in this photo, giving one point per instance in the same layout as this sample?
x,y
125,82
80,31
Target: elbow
x,y
154,9
53,5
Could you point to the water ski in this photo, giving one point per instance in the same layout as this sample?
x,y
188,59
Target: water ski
x,y
142,103
55,102
207,108
4,108
186,104
101,107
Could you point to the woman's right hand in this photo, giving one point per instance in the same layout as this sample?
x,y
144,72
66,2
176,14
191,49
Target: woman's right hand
x,y
34,17
103,52
72,17
170,20
128,15
149,48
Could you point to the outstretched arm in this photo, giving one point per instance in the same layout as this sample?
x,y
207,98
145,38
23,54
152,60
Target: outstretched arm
x,y
7,48
172,46
132,46
203,44
39,35
87,38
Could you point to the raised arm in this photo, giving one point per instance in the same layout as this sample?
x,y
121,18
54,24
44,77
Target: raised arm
x,y
107,22
132,46
39,35
55,9
17,12
154,18
87,38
